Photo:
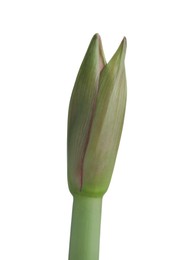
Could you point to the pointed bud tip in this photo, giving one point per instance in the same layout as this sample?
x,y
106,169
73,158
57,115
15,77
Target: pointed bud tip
x,y
123,46
96,37
119,55
124,41
96,41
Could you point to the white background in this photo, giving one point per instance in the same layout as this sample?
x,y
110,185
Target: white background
x,y
42,44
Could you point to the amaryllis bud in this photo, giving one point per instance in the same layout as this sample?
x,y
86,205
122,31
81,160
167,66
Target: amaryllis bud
x,y
95,120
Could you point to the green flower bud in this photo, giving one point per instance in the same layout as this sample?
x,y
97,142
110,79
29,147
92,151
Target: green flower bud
x,y
95,120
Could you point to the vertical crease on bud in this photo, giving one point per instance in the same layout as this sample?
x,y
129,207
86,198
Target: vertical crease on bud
x,y
86,141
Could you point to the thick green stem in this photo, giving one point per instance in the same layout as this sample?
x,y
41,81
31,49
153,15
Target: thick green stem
x,y
85,228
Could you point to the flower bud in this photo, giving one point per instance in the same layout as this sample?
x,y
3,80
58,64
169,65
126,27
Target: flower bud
x,y
95,120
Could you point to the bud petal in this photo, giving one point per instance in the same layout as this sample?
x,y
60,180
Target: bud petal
x,y
81,109
106,126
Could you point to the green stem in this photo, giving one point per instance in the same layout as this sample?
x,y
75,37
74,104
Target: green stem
x,y
85,228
